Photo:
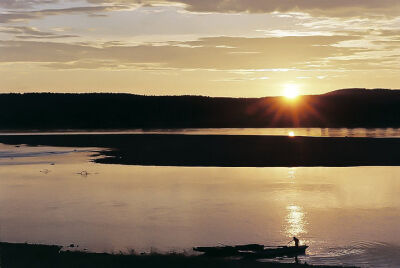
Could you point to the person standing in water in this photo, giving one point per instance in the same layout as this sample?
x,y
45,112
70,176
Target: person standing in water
x,y
296,241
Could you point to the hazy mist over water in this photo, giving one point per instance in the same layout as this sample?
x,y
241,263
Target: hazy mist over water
x,y
57,196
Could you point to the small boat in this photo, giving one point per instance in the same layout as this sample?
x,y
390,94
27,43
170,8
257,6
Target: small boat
x,y
252,251
220,251
251,247
284,251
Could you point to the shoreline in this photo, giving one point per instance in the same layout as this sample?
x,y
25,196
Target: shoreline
x,y
16,255
224,150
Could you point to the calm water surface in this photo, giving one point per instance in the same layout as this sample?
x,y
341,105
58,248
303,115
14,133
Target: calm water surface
x,y
57,196
310,132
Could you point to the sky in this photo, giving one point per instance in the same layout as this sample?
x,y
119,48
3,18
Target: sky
x,y
237,48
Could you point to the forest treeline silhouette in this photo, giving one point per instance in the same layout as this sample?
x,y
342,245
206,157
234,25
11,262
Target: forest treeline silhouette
x,y
341,108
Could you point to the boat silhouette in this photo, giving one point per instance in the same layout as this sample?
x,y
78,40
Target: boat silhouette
x,y
252,251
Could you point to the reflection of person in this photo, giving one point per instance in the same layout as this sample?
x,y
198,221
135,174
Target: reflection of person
x,y
296,241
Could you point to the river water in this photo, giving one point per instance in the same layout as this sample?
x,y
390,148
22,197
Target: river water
x,y
310,132
348,216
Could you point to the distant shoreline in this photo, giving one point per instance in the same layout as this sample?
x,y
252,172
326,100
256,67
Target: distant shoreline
x,y
351,108
225,150
299,132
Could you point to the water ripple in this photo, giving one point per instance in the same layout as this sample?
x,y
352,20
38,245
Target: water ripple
x,y
364,254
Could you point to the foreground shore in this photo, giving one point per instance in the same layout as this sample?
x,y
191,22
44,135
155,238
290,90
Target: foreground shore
x,y
225,150
15,255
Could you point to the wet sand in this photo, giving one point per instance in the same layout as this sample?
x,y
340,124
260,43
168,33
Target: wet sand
x,y
225,150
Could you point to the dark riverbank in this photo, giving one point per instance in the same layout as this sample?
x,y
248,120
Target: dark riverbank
x,y
226,150
13,255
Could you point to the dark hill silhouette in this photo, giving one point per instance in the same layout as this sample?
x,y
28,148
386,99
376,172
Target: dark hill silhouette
x,y
363,91
343,108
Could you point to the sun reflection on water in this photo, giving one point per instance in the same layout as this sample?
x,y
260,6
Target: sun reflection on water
x,y
295,221
292,173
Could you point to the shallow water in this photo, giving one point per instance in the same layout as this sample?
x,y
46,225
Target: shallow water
x,y
308,132
57,196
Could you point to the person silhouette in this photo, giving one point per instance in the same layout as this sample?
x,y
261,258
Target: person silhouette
x,y
296,241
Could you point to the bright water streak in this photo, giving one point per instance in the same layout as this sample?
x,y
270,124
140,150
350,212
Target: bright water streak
x,y
56,196
308,132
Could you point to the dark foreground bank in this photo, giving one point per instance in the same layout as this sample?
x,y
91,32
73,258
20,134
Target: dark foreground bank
x,y
226,150
26,255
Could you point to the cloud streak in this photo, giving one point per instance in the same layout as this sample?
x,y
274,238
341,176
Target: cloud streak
x,y
25,32
219,53
244,43
15,16
19,4
335,8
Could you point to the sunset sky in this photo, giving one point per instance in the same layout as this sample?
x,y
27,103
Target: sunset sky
x,y
237,48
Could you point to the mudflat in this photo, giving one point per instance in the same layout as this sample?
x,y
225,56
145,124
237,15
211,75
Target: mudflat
x,y
225,150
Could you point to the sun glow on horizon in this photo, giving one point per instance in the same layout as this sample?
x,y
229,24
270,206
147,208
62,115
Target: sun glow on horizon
x,y
291,91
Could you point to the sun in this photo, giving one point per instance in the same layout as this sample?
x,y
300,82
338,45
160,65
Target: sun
x,y
291,91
